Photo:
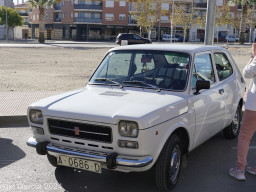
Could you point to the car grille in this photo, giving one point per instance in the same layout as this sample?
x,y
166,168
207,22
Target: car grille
x,y
80,130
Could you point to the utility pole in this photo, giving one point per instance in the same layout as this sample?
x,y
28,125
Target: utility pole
x,y
210,22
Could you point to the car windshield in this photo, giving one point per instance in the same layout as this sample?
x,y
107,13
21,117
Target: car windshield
x,y
149,69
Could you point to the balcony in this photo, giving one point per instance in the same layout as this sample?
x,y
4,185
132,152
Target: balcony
x,y
23,14
57,20
58,8
200,5
88,20
83,6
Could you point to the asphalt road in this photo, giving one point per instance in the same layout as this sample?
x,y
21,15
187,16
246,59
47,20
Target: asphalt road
x,y
21,169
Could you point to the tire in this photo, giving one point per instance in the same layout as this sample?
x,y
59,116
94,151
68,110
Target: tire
x,y
169,163
232,131
52,160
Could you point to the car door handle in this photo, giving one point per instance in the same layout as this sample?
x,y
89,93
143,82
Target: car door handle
x,y
221,91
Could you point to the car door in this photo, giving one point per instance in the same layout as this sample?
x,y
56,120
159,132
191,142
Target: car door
x,y
138,39
228,81
208,105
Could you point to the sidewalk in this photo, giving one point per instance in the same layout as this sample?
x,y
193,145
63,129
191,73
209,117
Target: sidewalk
x,y
13,105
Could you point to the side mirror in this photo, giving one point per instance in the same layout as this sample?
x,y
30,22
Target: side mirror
x,y
202,84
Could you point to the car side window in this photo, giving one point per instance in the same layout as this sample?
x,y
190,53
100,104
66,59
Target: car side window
x,y
136,37
223,66
203,69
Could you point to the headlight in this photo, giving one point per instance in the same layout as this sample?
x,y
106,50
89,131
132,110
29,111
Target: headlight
x,y
128,129
36,116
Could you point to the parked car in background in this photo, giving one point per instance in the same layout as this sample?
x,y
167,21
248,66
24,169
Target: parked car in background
x,y
167,37
181,38
237,38
131,39
145,106
230,38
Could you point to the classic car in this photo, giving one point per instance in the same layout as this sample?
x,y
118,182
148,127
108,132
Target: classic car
x,y
145,107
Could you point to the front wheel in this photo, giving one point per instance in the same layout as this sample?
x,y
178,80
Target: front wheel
x,y
168,164
231,131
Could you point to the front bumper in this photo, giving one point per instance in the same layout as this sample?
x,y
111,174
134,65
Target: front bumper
x,y
110,159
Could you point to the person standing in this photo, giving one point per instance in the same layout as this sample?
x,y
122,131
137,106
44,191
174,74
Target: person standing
x,y
248,127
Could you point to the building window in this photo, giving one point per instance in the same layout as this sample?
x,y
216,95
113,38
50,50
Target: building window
x,y
219,2
165,6
46,7
109,17
122,17
63,15
52,6
46,17
71,2
37,16
34,17
63,1
71,15
109,3
164,19
122,3
51,16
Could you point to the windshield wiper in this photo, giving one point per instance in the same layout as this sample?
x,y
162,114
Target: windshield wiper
x,y
143,83
108,80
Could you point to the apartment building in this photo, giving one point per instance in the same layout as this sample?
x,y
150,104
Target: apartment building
x,y
6,3
104,19
21,32
196,33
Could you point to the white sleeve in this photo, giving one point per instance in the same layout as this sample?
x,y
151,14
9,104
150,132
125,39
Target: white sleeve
x,y
249,70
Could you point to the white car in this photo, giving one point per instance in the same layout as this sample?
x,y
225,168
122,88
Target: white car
x,y
145,106
230,38
167,37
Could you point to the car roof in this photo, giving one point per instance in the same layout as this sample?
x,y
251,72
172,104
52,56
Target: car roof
x,y
170,47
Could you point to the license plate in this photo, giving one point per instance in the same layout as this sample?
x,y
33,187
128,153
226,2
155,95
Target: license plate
x,y
79,163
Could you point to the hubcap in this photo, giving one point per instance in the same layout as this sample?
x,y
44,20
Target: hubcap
x,y
175,164
236,122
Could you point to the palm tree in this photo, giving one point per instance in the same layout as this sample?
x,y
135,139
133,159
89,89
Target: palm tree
x,y
245,4
41,4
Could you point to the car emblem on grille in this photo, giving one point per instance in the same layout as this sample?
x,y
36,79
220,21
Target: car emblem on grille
x,y
76,129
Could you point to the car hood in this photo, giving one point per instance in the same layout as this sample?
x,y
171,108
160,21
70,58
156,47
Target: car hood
x,y
109,105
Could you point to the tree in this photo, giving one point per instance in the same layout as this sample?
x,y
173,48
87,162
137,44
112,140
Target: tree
x,y
223,17
13,17
245,4
41,4
235,22
182,17
147,13
200,19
